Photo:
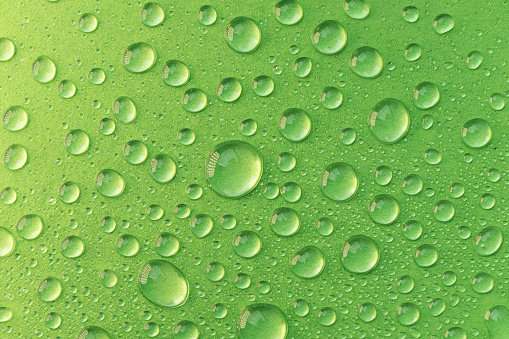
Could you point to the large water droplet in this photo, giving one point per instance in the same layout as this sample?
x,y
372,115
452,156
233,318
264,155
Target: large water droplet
x,y
356,9
7,242
109,183
139,57
426,95
497,321
288,12
262,321
162,168
360,254
124,109
426,255
384,209
329,37
284,221
93,332
294,124
366,62
443,23
408,314
76,142
49,289
247,244
476,133
135,152
207,15
69,192
73,247
15,157
339,181
229,89
308,262
194,100
87,23
243,35
152,14
15,118
43,69
29,226
489,240
175,73
7,49
389,120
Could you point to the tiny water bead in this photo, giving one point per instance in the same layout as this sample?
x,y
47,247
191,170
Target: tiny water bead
x,y
7,242
72,247
432,156
483,283
96,76
8,196
194,100
389,120
329,37
331,98
233,169
152,14
186,330
175,73
426,255
7,49
201,225
68,192
347,136
247,244
497,321
339,181
288,12
497,101
383,175
408,314
15,157
476,133
15,118
66,89
262,321
207,15
443,210
488,241
93,332
410,14
384,209
88,23
412,184
248,127
294,124
286,162
263,85
308,262
163,284
302,67
108,278
49,289
186,136
162,168
167,244
229,89
215,271
405,284
300,308
413,52
109,183
327,316
356,9
426,95
29,226
53,320
135,152
366,62
127,245
284,221
474,59
367,312
139,57
443,23
124,109
44,69
360,254
412,230
243,35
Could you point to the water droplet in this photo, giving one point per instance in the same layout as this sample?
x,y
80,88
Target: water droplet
x,y
242,281
194,100
7,242
228,222
443,23
219,311
215,271
408,314
15,157
488,241
331,98
152,14
432,156
288,12
72,247
93,332
384,209
201,225
476,133
29,226
175,73
327,316
87,23
294,124
139,57
302,67
108,278
456,333
8,196
383,175
412,184
410,14
108,224
286,162
497,321
15,118
194,191
412,230
367,312
308,262
291,192
497,101
69,192
389,120
405,284
325,227
339,181
243,35
135,152
356,9
348,136
493,175
262,321
76,142
233,169
247,244
167,245
427,122
127,245
162,168
426,255
49,289
248,127
66,89
487,201
124,109
263,85
207,15
437,307
109,183
53,320
107,126
271,191
413,52
43,69
360,254
186,136
329,37
474,59
426,95
449,278
300,308
284,221
7,49
96,76
229,89
366,62
483,283
443,211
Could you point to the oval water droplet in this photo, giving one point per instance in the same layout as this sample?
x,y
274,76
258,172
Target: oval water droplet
x,y
389,120
7,242
443,23
360,254
489,240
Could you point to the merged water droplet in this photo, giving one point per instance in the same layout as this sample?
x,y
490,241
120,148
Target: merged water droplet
x,y
288,12
476,133
443,23
247,244
7,49
88,23
284,221
308,262
426,95
124,109
243,35
139,57
162,168
175,73
329,37
262,321
384,209
109,183
389,120
43,69
366,62
360,254
152,14
15,118
229,89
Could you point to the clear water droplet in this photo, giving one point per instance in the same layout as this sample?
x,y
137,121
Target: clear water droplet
x,y
262,321
329,37
366,62
476,133
360,254
109,183
175,73
43,69
15,118
389,120
243,35
139,57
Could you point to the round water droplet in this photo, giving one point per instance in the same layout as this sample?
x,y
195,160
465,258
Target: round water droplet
x,y
426,95
474,60
247,244
288,12
162,168
331,98
413,52
437,307
127,245
412,184
339,181
233,169
483,283
291,192
155,212
493,175
356,9
329,37
497,321
76,142
443,23
248,127
49,289
29,226
7,242
408,314
219,311
228,222
426,255
135,152
302,67
139,57
389,120
432,156
152,14
207,15
300,308
194,100
66,89
410,14
243,35
412,230
406,284
186,330
286,162
383,175
186,136
476,133
201,225
87,23
284,221
487,201
327,316
263,85
229,89
93,332
262,321
242,281
107,126
108,224
366,62
8,196
96,76
308,262
124,109
43,69
163,284
108,278
360,254
294,124
69,192
215,271
167,245
7,49
449,278
497,101
175,73
109,183
488,241
348,136
15,157
271,191
456,333
53,320
15,118
384,209
443,211
325,227
72,247
367,312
